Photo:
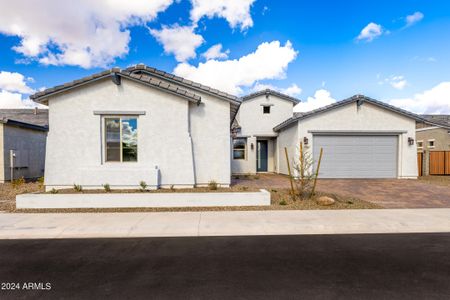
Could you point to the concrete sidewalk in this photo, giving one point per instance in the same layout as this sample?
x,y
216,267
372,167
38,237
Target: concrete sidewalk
x,y
164,224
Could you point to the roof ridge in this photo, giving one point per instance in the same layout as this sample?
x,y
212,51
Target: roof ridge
x,y
273,92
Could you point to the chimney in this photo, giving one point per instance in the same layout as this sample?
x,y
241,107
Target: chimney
x,y
35,110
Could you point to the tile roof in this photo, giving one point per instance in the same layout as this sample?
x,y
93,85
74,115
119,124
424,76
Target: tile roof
x,y
271,92
362,98
26,115
141,68
154,82
438,119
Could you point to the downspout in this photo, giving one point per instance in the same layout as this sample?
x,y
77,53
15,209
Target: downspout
x,y
192,142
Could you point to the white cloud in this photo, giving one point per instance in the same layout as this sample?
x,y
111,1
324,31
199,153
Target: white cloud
x,y
293,90
321,98
16,100
414,18
178,40
370,32
82,33
15,82
396,81
215,52
433,101
237,13
269,61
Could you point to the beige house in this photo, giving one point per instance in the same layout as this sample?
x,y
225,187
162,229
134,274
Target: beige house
x,y
433,134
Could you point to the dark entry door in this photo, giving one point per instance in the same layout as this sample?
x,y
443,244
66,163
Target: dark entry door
x,y
261,159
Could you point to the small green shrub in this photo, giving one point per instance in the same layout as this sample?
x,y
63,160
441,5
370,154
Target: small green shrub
x,y
212,185
107,187
273,190
256,176
18,182
77,187
143,186
244,188
54,191
283,202
40,180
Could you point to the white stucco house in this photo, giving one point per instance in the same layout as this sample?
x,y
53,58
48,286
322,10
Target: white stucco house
x,y
361,137
255,141
121,127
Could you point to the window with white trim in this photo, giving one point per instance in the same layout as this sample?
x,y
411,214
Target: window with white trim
x,y
431,144
239,148
120,139
419,144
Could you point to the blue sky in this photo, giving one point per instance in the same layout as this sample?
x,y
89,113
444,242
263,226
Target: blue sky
x,y
312,50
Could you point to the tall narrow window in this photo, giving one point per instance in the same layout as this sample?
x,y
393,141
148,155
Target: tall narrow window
x,y
121,139
239,146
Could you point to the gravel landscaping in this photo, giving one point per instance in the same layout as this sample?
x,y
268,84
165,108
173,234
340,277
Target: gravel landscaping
x,y
280,200
439,180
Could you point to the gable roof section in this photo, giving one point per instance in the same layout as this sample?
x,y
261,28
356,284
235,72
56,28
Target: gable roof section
x,y
438,120
152,77
33,116
23,124
271,92
354,99
143,69
114,74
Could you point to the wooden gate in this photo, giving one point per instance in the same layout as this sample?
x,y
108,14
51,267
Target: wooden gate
x,y
439,162
420,163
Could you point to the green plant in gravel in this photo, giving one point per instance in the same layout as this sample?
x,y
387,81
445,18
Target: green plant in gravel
x,y
143,186
256,177
212,185
77,187
283,202
40,180
244,188
18,182
54,191
107,187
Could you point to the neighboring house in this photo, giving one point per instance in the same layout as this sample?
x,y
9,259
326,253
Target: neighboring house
x,y
361,138
23,134
121,127
254,142
433,134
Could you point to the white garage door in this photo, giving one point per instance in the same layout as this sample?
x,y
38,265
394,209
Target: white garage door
x,y
356,156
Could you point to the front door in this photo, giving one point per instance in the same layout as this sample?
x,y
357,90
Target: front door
x,y
261,157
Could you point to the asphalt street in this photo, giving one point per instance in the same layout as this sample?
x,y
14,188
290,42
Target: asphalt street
x,y
374,266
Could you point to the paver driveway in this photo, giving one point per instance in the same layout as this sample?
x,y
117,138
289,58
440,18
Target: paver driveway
x,y
389,193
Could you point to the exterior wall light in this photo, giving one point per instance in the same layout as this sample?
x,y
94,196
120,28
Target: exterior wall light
x,y
410,141
305,140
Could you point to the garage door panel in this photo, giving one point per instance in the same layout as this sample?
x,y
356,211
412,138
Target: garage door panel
x,y
357,156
